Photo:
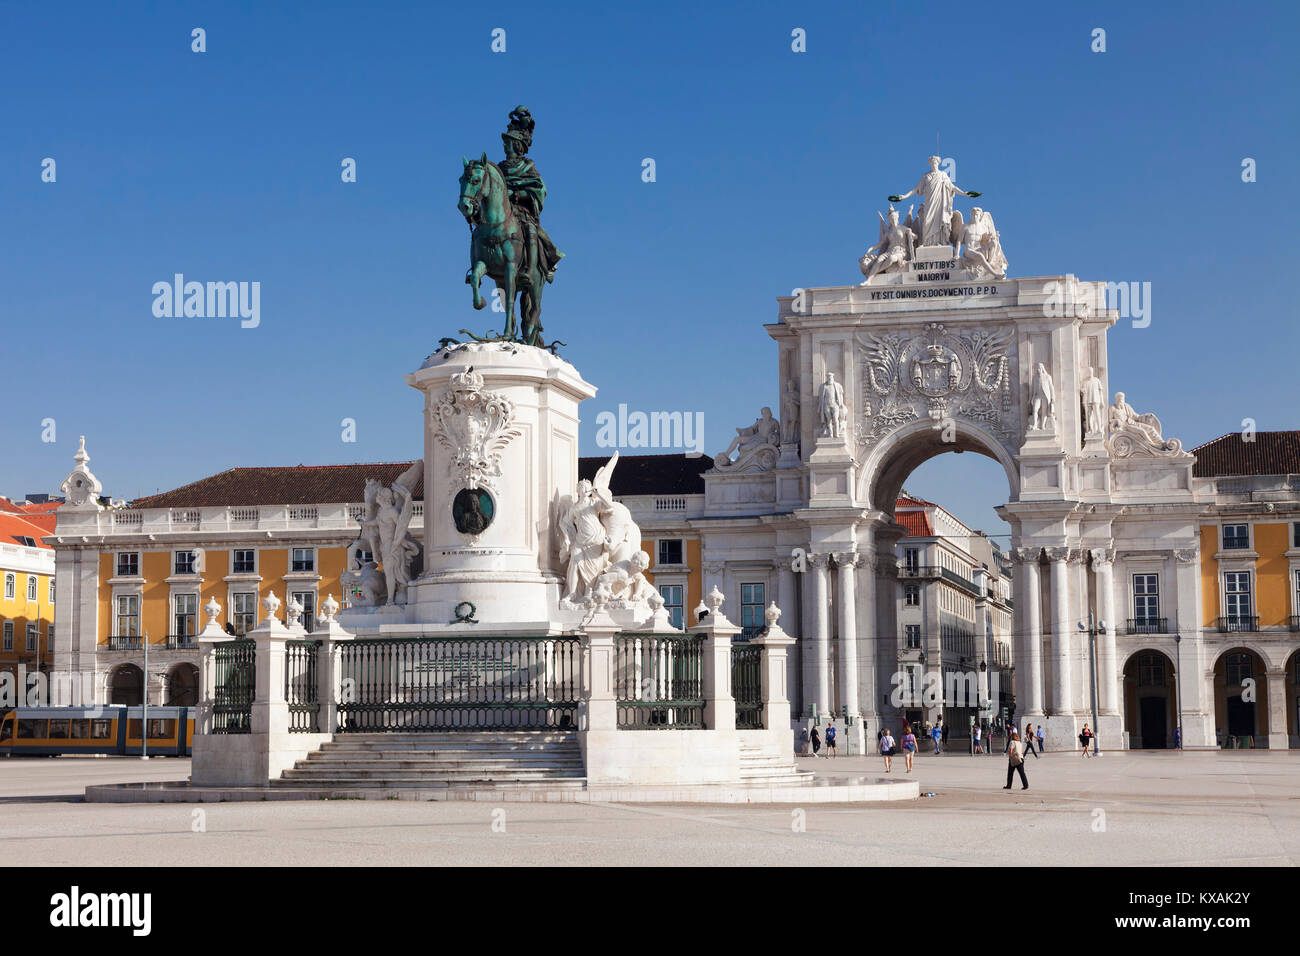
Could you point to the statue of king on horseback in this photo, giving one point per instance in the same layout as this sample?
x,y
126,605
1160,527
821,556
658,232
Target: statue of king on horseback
x,y
503,205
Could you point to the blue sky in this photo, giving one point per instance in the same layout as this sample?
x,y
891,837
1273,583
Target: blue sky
x,y
1121,166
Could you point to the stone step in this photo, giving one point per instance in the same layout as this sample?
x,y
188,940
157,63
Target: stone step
x,y
414,776
558,783
466,737
393,762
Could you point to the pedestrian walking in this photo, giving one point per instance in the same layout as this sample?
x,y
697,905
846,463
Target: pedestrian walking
x,y
945,736
887,745
1040,738
1016,761
1029,740
975,732
830,741
909,747
936,733
1178,738
1085,737
816,742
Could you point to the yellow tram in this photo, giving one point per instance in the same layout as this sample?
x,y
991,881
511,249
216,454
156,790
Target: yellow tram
x,y
106,729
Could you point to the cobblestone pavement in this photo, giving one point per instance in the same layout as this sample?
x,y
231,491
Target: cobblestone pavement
x,y
1159,808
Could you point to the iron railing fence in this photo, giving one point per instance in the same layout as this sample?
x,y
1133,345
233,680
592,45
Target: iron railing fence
x,y
178,642
301,686
1238,622
459,683
1148,625
658,681
747,685
232,707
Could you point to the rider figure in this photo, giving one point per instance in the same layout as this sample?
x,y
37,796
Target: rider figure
x,y
526,191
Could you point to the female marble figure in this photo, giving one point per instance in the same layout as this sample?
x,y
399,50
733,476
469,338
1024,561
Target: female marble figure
x,y
790,412
935,215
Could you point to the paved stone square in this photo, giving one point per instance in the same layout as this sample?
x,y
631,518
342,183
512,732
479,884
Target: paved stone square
x,y
1144,808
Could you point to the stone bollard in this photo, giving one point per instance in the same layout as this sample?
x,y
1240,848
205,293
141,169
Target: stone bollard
x,y
598,704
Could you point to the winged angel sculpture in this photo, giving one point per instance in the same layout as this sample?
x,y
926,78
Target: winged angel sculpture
x,y
600,546
983,250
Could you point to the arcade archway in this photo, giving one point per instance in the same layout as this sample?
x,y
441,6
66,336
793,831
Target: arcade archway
x,y
1241,698
126,685
182,686
1150,700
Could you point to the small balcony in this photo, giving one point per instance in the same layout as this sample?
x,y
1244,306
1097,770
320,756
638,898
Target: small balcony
x,y
915,571
1238,622
124,643
181,642
1147,625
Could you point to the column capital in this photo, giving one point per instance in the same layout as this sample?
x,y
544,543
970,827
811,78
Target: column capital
x,y
1101,558
1027,555
818,559
1057,554
1078,556
886,565
848,559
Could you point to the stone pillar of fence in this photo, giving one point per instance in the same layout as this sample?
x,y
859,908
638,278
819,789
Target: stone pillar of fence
x,y
599,705
329,664
719,703
775,643
270,708
210,638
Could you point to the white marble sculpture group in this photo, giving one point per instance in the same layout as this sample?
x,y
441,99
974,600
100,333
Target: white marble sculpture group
x,y
600,547
976,244
385,537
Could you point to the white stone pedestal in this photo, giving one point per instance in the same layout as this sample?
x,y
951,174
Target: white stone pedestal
x,y
501,426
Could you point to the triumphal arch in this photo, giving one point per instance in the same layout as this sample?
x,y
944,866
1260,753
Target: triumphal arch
x,y
938,350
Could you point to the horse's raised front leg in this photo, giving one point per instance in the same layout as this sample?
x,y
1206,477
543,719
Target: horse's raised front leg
x,y
474,276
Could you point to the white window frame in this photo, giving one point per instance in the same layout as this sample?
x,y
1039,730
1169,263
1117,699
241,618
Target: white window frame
x,y
1250,592
118,615
31,638
659,544
51,590
117,564
669,606
293,561
9,636
1250,536
176,613
1134,594
234,551
193,562
11,585
32,584
233,615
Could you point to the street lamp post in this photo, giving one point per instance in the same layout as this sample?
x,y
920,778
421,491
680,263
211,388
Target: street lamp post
x,y
1092,627
1178,688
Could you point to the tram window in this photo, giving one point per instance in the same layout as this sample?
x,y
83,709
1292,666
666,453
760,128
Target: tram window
x,y
164,729
31,729
59,729
80,729
101,729
6,729
133,728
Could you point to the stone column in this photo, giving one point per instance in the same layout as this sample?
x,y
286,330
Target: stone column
x,y
1277,735
598,706
845,562
788,596
1108,687
719,702
270,709
775,643
1030,698
819,695
329,664
1062,625
210,638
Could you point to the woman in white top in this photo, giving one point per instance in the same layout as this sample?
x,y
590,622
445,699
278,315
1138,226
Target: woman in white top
x,y
1016,760
887,746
